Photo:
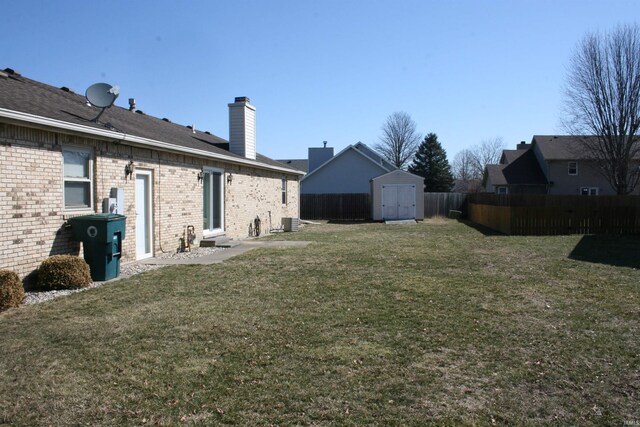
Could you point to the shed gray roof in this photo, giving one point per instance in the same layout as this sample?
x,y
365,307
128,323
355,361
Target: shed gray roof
x,y
18,93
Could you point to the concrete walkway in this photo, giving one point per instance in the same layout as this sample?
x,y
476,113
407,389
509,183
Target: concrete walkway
x,y
222,255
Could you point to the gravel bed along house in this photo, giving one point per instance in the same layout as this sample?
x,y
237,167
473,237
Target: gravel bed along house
x,y
126,270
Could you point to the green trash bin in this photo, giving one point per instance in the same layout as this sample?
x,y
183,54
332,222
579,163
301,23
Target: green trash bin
x,y
101,236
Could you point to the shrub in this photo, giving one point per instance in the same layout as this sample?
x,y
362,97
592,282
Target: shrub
x,y
11,290
63,272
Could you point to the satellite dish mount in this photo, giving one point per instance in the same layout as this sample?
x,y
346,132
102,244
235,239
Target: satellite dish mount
x,y
102,95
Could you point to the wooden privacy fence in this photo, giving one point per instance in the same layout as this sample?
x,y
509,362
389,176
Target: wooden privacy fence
x,y
549,215
348,206
439,204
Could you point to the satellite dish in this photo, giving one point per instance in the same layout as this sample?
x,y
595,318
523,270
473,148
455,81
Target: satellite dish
x,y
102,95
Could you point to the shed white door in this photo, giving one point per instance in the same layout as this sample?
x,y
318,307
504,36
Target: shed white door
x,y
144,236
398,201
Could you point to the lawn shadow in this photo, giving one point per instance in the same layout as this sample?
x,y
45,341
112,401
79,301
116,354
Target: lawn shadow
x,y
352,221
612,249
481,228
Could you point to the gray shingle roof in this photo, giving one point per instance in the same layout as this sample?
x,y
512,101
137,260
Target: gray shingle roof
x,y
557,147
298,164
524,170
18,93
509,156
494,173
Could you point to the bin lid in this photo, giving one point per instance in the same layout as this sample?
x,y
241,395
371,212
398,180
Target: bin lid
x,y
105,217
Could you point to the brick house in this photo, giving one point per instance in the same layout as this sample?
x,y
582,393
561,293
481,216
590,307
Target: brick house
x,y
57,162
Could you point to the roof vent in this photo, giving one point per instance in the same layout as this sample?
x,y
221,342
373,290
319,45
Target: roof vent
x,y
132,104
140,112
12,72
207,132
164,119
66,89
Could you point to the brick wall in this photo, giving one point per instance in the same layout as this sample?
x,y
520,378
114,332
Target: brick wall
x,y
32,215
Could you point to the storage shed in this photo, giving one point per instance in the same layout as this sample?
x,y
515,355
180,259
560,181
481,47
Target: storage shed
x,y
397,195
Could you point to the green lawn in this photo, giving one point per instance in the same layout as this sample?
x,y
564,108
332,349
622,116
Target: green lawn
x,y
370,324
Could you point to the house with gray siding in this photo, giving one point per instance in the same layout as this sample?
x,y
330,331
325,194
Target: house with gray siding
x,y
550,164
359,170
349,171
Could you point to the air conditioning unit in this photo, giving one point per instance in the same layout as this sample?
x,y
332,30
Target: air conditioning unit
x,y
290,224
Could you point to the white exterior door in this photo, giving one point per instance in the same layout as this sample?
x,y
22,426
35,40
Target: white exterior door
x,y
144,228
389,202
398,201
406,201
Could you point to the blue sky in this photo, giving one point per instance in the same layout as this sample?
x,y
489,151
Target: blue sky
x,y
318,70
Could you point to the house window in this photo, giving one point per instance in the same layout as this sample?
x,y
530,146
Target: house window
x,y
77,178
573,168
284,191
589,191
502,190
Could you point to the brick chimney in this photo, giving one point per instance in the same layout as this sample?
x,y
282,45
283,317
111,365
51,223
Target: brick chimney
x,y
242,128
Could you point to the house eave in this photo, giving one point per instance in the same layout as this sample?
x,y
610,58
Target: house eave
x,y
18,117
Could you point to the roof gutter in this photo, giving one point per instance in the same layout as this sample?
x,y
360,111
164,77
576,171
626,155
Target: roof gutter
x,y
133,140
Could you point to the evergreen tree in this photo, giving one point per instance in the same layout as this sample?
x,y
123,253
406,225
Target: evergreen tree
x,y
431,162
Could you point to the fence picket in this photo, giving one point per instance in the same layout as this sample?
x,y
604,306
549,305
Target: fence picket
x,y
348,206
548,215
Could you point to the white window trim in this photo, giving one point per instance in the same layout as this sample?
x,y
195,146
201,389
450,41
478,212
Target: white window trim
x,y
89,150
284,188
149,219
216,231
589,189
569,168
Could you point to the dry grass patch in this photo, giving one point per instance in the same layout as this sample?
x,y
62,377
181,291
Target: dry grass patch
x,y
371,324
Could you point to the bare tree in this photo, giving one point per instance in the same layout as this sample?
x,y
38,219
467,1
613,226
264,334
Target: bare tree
x,y
399,140
462,166
463,169
487,153
603,99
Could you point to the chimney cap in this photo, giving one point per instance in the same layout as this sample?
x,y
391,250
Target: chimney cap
x,y
242,99
324,143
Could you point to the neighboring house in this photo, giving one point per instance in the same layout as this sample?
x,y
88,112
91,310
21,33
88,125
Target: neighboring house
x,y
58,162
349,171
569,168
549,165
517,173
395,194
